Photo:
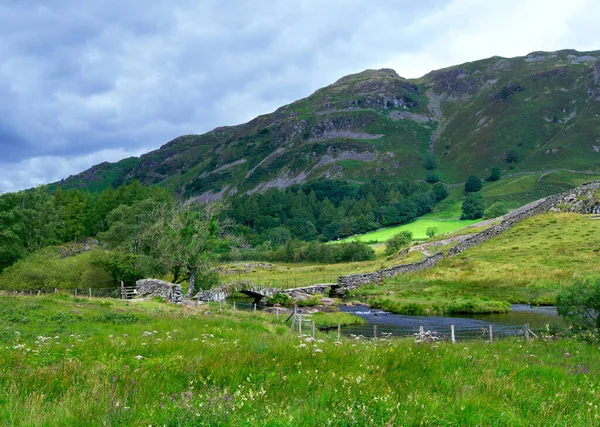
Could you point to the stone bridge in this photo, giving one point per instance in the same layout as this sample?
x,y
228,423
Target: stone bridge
x,y
256,291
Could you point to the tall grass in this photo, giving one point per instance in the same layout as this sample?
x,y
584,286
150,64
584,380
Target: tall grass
x,y
66,361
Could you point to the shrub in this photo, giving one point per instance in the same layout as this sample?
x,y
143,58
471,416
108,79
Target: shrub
x,y
495,174
399,241
512,156
432,177
278,298
431,231
473,207
429,163
46,269
440,192
473,184
579,305
125,267
495,210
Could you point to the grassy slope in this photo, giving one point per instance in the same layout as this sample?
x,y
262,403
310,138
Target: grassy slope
x,y
528,263
418,229
198,369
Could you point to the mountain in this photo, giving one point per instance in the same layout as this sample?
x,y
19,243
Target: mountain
x,y
527,114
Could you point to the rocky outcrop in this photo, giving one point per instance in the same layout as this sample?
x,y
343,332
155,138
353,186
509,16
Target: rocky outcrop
x,y
158,288
582,200
594,82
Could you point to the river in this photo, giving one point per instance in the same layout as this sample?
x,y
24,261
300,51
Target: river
x,y
540,319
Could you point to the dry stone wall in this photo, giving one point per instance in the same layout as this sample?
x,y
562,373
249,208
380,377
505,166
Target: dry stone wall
x,y
354,281
583,197
159,288
552,203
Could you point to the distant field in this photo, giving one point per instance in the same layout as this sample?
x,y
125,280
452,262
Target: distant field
x,y
417,228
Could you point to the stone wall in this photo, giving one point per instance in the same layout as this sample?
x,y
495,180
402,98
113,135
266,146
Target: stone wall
x,y
552,203
157,288
579,197
354,281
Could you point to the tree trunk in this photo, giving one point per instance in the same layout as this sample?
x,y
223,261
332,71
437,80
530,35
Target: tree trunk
x,y
192,287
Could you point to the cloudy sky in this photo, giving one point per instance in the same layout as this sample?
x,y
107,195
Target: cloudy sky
x,y
87,82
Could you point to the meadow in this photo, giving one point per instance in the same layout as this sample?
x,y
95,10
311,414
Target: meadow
x,y
529,263
87,362
418,228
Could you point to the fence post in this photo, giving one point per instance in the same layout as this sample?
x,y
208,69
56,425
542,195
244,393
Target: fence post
x,y
75,291
293,320
90,292
277,313
526,331
491,335
300,325
254,308
234,307
375,332
421,333
452,337
339,331
220,306
313,329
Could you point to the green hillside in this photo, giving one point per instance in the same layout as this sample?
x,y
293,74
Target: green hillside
x,y
526,114
529,263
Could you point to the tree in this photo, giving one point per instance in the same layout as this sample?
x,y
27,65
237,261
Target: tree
x,y
429,163
440,192
432,177
473,184
579,305
495,174
473,207
431,231
399,241
512,156
495,210
185,237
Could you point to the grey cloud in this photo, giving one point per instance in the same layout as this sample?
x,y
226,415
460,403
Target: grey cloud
x,y
79,80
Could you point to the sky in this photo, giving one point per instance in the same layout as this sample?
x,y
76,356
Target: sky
x,y
87,82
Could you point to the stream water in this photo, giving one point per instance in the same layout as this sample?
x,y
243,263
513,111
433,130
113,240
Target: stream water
x,y
467,326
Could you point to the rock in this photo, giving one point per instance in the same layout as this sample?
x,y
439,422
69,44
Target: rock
x,y
275,310
327,301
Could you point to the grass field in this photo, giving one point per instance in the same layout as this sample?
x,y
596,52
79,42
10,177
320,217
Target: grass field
x,y
417,227
295,275
529,263
68,361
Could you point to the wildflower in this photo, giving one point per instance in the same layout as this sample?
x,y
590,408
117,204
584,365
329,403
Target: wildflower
x,y
139,357
125,335
318,350
111,336
302,345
